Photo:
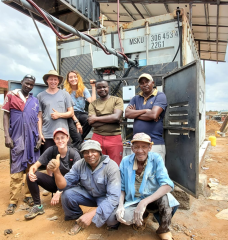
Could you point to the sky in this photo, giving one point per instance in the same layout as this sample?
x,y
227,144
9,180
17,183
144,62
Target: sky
x,y
22,52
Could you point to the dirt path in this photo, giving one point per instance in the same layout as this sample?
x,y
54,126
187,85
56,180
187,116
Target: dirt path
x,y
197,223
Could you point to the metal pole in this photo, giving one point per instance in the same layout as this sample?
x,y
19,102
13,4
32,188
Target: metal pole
x,y
147,42
42,39
190,15
66,27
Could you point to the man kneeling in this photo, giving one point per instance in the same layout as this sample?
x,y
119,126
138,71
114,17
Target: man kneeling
x,y
100,187
66,156
145,187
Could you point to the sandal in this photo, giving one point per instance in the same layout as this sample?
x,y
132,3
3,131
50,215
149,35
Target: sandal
x,y
166,236
75,229
11,209
29,201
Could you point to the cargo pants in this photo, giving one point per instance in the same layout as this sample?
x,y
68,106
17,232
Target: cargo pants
x,y
16,186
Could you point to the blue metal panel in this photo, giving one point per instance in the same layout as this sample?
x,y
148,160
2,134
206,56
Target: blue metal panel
x,y
12,85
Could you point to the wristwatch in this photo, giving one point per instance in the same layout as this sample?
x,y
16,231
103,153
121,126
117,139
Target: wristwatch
x,y
76,121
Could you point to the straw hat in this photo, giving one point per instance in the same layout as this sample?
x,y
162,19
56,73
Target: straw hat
x,y
52,73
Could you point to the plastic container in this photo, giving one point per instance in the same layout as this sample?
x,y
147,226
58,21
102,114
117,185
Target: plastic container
x,y
217,134
213,140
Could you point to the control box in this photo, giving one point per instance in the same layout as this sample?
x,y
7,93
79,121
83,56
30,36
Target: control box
x,y
102,60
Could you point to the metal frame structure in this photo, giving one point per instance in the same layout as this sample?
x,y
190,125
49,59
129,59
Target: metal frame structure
x,y
68,28
210,28
141,9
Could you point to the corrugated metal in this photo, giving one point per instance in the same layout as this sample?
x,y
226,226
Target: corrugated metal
x,y
207,14
77,13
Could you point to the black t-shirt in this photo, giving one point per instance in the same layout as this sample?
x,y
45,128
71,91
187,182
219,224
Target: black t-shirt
x,y
64,167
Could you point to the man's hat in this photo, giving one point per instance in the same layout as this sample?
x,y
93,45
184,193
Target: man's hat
x,y
141,137
29,76
147,76
91,144
52,73
63,130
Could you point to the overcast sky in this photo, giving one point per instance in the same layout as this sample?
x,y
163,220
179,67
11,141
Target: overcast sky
x,y
22,52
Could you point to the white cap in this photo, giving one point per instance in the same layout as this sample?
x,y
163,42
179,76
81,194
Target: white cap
x,y
146,75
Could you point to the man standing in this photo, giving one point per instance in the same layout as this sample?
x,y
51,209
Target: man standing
x,y
67,156
93,181
148,110
145,187
55,107
21,136
104,116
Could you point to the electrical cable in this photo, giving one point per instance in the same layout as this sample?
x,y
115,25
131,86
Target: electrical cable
x,y
115,90
178,20
178,12
118,25
48,22
70,35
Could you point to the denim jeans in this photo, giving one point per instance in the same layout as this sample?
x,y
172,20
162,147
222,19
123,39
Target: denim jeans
x,y
75,196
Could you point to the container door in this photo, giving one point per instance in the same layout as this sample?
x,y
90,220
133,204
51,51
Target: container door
x,y
181,126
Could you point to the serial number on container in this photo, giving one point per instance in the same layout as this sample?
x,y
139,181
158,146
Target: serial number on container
x,y
158,40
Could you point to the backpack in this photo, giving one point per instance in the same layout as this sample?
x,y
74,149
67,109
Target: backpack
x,y
71,154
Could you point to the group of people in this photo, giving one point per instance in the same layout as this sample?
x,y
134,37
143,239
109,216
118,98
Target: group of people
x,y
93,172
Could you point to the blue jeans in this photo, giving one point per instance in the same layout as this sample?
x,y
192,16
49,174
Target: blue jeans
x,y
75,196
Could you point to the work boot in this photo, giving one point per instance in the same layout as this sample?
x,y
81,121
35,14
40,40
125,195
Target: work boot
x,y
34,211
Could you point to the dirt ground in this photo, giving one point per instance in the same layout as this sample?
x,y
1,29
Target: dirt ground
x,y
199,222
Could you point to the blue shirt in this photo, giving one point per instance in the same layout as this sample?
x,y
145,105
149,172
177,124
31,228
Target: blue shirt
x,y
104,181
79,102
152,128
155,176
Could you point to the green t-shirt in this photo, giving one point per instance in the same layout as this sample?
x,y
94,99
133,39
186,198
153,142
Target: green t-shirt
x,y
107,107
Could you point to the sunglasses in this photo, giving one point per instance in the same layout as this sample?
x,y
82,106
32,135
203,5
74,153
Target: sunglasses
x,y
29,76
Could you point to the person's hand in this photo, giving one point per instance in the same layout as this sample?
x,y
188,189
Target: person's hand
x,y
32,175
55,114
138,214
42,138
156,119
131,107
56,197
9,142
54,164
92,82
79,128
85,220
120,214
91,119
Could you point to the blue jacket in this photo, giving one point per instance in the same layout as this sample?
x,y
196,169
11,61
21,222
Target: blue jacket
x,y
104,181
155,176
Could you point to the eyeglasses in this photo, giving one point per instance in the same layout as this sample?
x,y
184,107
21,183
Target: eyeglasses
x,y
29,76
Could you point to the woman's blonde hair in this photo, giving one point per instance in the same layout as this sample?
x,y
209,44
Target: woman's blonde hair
x,y
80,85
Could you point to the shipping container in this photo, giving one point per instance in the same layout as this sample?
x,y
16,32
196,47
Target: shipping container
x,y
164,47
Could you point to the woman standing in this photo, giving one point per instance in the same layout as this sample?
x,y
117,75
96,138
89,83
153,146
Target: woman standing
x,y
79,94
